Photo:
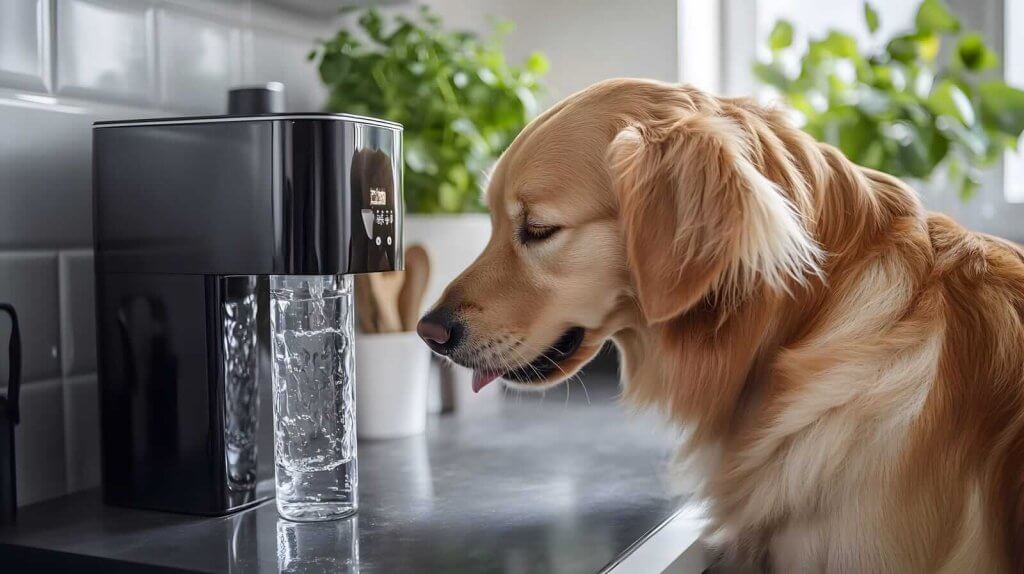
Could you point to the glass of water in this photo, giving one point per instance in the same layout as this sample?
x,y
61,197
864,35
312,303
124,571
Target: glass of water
x,y
314,404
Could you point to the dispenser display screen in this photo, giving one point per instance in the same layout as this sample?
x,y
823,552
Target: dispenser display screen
x,y
375,189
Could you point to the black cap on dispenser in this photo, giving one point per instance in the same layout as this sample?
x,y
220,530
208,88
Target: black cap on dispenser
x,y
255,100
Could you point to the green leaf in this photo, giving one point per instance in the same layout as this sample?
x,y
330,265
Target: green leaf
x,y
974,54
781,36
972,141
449,197
537,63
883,77
459,176
841,45
874,155
928,46
870,18
771,74
935,16
902,48
372,24
855,136
1002,107
418,158
948,99
971,182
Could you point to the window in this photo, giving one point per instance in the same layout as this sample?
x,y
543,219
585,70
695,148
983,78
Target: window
x,y
1013,67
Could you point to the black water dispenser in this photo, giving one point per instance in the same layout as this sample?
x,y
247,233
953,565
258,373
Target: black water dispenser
x,y
192,215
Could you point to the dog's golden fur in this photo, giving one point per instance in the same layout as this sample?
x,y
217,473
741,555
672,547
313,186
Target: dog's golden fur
x,y
849,368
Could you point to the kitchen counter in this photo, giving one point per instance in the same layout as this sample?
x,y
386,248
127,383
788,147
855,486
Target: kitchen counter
x,y
542,486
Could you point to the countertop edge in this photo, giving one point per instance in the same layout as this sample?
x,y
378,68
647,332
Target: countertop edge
x,y
666,544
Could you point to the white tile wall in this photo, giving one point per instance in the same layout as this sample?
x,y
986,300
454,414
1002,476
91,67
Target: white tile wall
x,y
200,60
63,65
25,44
39,443
106,47
82,432
78,312
45,177
278,57
28,280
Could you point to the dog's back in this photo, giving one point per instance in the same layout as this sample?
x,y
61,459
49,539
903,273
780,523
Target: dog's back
x,y
980,395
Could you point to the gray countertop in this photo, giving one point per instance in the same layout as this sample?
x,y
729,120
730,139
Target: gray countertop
x,y
552,486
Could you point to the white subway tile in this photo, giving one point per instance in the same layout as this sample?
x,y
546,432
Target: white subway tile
x,y
24,44
82,432
45,177
39,443
77,312
276,57
200,60
105,48
28,280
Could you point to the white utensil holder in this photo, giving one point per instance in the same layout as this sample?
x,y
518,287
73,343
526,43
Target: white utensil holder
x,y
392,372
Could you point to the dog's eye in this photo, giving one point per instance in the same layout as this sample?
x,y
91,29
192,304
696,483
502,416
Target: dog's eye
x,y
530,233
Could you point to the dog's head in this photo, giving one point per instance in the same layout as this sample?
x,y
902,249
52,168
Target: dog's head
x,y
622,206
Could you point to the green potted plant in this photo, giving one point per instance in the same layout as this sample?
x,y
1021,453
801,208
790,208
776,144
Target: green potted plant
x,y
461,102
921,104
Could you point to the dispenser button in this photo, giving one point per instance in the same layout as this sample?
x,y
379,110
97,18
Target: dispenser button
x,y
378,240
389,240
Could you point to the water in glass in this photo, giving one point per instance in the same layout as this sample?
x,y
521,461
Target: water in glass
x,y
314,403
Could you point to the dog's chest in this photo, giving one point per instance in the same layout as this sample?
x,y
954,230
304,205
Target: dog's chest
x,y
821,466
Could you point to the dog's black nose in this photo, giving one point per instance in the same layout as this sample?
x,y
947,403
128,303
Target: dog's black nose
x,y
440,330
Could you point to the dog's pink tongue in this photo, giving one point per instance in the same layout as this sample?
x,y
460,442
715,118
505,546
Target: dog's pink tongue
x,y
482,378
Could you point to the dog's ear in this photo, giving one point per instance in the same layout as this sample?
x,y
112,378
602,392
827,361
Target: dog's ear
x,y
699,218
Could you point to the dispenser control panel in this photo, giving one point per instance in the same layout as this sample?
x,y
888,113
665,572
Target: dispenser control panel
x,y
373,179
383,222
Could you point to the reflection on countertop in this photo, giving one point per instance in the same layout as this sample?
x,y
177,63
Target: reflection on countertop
x,y
544,485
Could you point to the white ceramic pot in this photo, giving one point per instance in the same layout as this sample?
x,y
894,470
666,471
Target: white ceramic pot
x,y
453,242
392,372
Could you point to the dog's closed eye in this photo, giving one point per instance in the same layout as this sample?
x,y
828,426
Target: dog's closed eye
x,y
533,232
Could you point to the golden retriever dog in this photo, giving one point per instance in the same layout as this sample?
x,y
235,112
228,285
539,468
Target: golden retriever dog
x,y
848,367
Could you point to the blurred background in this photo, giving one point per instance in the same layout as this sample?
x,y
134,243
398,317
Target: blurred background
x,y
921,89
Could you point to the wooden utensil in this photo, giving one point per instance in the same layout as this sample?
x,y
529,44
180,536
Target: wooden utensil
x,y
385,288
366,308
417,274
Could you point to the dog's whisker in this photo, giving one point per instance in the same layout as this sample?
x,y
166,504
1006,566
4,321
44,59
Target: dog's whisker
x,y
554,363
526,363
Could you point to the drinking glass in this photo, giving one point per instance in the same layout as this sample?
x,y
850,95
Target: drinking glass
x,y
314,406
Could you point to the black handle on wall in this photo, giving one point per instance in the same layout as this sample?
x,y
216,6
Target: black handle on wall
x,y
14,372
9,417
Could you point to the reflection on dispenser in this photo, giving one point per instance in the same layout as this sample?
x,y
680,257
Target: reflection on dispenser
x,y
241,397
310,547
151,366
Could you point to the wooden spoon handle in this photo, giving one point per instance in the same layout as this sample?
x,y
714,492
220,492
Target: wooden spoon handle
x,y
417,274
366,308
385,288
